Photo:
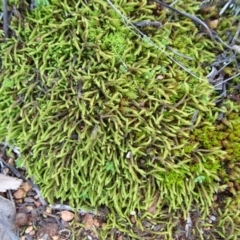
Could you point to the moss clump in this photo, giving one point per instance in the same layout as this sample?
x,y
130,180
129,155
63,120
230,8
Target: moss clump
x,y
102,121
225,135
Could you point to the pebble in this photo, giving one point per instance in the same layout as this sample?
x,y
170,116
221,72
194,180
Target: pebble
x,y
67,216
213,218
29,229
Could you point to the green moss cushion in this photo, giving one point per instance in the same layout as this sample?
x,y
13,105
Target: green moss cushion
x,y
102,113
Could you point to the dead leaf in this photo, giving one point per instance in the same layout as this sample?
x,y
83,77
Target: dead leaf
x,y
207,8
7,183
132,219
153,208
67,216
213,24
88,221
120,237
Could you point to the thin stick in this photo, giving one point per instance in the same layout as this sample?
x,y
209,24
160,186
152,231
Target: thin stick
x,y
236,35
227,79
5,18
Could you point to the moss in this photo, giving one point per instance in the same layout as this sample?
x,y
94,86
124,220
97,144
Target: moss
x,y
225,135
103,117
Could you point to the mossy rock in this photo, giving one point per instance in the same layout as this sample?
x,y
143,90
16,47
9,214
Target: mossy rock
x,y
102,116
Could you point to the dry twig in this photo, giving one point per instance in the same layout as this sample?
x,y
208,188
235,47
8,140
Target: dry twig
x,y
5,18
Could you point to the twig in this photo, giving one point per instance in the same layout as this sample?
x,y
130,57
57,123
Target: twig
x,y
147,23
225,44
235,38
5,18
228,3
14,171
68,208
57,219
227,79
188,226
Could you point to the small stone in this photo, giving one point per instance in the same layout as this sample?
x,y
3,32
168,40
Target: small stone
x,y
29,208
21,220
147,224
67,216
129,155
133,213
160,77
26,186
88,221
11,161
48,210
96,223
37,203
29,229
213,24
215,198
19,193
236,48
28,200
156,228
55,238
213,218
36,197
